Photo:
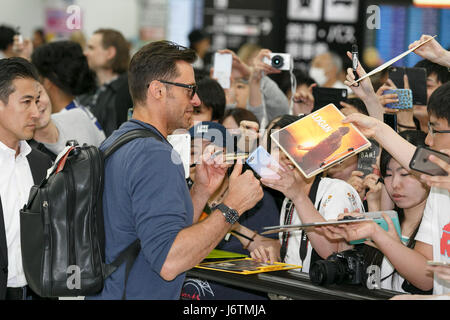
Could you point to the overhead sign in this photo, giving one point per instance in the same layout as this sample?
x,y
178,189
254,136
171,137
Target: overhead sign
x,y
318,26
235,22
432,3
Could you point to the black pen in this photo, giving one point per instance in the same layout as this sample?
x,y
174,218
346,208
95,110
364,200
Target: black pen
x,y
355,62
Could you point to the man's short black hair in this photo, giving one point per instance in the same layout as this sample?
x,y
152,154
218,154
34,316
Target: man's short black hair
x,y
65,65
211,94
155,61
12,69
442,73
439,102
6,37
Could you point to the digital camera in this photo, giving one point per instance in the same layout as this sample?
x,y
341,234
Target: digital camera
x,y
342,267
281,61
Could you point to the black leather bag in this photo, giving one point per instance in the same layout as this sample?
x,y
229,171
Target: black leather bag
x,y
62,227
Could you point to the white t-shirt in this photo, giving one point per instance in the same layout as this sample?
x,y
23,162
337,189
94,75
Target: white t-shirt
x,y
435,230
334,196
75,124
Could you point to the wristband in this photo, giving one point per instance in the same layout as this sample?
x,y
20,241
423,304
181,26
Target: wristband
x,y
250,241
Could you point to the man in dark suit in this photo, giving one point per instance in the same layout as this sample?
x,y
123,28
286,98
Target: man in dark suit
x,y
20,166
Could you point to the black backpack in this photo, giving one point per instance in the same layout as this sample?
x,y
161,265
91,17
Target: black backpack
x,y
62,227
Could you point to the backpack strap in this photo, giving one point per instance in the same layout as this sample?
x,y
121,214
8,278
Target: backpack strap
x,y
130,254
129,136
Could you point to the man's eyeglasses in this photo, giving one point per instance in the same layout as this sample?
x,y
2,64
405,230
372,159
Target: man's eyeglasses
x,y
191,87
432,131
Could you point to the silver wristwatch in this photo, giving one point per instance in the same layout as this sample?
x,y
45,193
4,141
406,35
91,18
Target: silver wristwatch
x,y
231,215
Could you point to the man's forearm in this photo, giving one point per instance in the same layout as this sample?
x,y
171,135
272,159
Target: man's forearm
x,y
199,200
193,244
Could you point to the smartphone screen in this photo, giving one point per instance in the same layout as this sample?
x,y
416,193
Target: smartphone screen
x,y
325,96
417,78
421,163
222,69
391,120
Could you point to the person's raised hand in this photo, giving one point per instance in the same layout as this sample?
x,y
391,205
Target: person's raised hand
x,y
357,182
209,173
431,50
365,89
239,68
304,100
261,68
389,97
366,124
442,182
290,181
244,190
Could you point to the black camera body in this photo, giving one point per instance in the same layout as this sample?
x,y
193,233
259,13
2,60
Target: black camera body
x,y
343,267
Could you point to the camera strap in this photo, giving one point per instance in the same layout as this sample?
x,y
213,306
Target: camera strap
x,y
303,250
293,86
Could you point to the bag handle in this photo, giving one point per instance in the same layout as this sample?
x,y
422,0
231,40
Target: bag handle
x,y
62,161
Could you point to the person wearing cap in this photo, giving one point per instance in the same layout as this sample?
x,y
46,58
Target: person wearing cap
x,y
244,235
199,41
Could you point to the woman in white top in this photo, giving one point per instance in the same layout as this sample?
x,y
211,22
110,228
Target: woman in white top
x,y
307,200
409,195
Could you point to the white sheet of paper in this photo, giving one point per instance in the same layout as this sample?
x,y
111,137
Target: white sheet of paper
x,y
390,62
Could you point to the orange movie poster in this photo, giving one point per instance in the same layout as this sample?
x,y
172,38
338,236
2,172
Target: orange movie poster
x,y
320,140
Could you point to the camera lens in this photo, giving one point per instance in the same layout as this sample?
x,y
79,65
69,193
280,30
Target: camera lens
x,y
277,61
325,272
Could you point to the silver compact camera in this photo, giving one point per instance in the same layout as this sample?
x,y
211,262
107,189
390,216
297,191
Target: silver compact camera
x,y
281,61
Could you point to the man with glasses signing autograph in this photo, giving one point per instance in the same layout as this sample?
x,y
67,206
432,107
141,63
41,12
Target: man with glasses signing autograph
x,y
146,196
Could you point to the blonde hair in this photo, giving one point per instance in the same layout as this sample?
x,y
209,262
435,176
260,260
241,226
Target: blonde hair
x,y
247,51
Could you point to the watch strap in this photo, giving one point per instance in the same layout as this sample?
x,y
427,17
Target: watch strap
x,y
231,216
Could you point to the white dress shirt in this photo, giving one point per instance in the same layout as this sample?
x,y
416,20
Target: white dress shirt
x,y
16,181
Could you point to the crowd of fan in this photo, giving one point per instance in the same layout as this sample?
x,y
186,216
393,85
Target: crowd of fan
x,y
84,96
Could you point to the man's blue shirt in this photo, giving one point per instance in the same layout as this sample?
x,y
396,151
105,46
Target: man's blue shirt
x,y
145,197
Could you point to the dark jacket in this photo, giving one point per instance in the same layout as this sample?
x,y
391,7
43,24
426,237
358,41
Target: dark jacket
x,y
39,163
112,104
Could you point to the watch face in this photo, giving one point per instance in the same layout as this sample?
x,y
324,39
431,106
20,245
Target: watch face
x,y
232,216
